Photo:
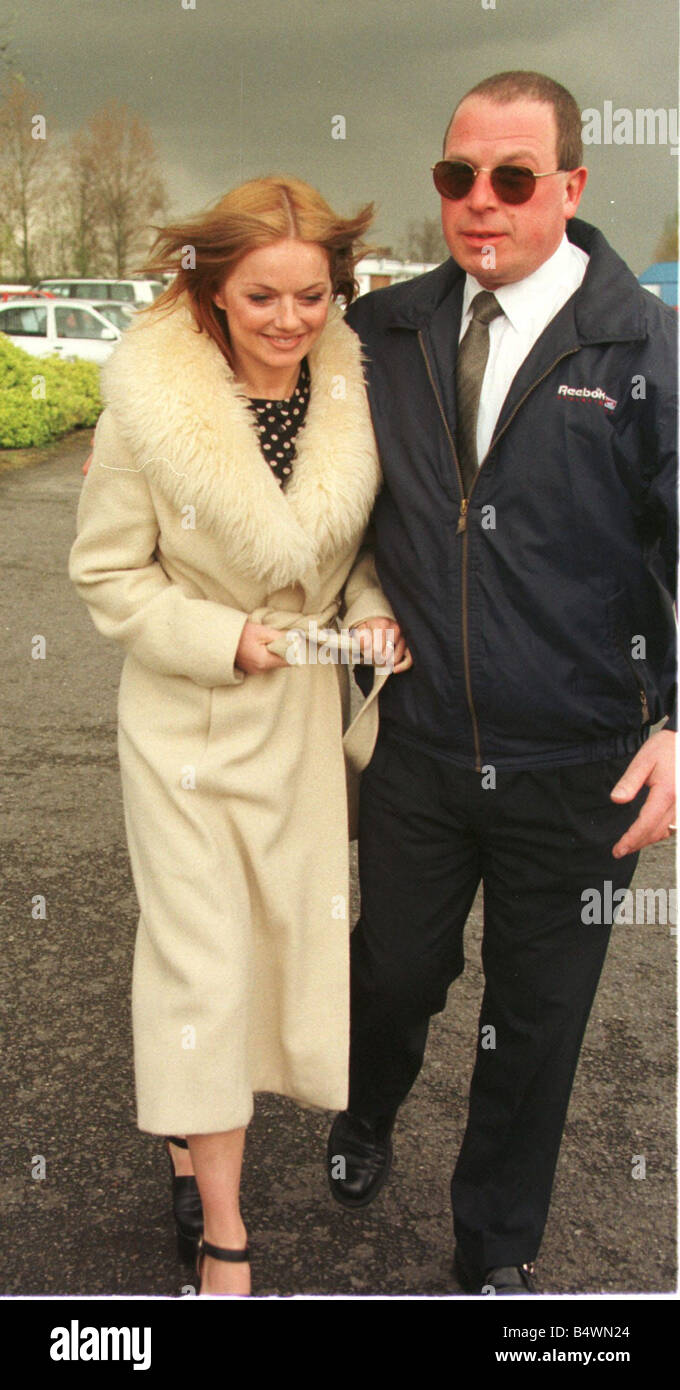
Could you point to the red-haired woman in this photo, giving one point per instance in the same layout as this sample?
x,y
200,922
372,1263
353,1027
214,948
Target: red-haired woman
x,y
233,477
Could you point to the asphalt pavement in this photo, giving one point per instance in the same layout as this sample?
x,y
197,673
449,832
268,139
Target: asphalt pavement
x,y
84,1196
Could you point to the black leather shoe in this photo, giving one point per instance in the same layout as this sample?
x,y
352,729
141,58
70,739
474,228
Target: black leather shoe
x,y
186,1206
359,1159
503,1281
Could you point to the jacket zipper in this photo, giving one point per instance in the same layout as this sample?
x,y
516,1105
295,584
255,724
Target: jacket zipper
x,y
642,693
461,528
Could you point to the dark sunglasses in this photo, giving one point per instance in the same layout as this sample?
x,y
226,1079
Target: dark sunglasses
x,y
512,183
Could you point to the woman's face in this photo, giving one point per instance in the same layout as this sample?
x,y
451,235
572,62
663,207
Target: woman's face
x,y
276,302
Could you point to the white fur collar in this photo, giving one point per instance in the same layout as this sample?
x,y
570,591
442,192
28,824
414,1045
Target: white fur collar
x,y
175,402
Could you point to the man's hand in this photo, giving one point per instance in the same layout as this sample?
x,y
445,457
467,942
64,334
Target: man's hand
x,y
382,642
653,766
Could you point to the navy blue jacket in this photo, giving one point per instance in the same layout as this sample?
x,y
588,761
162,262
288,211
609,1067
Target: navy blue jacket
x,y
539,610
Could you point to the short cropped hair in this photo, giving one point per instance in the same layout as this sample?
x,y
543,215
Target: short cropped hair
x,y
254,214
505,87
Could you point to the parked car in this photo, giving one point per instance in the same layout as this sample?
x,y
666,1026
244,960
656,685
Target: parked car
x,y
6,290
125,291
21,292
119,314
64,326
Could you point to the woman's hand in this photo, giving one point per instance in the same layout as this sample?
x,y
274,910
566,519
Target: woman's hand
x,y
383,643
252,655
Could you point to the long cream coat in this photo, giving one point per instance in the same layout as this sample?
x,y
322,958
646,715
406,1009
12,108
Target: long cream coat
x,y
233,785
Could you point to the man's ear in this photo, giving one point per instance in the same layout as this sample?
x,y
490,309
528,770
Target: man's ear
x,y
576,182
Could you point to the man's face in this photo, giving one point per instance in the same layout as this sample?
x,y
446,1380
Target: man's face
x,y
500,242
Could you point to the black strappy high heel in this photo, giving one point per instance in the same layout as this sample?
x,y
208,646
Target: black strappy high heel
x,y
186,1206
218,1253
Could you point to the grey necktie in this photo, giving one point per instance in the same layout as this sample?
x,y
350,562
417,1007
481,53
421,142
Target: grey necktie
x,y
473,355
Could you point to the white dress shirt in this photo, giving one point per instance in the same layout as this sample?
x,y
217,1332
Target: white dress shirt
x,y
528,306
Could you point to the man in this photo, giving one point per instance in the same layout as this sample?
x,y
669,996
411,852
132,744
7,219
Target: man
x,y
523,398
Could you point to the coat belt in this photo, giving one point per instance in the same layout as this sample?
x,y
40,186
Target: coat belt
x,y
360,738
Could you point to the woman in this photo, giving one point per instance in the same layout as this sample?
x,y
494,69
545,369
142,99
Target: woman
x,y
233,477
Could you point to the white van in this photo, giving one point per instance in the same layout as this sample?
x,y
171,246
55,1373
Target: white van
x,y
137,292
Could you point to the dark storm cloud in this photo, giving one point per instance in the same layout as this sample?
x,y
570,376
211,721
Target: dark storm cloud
x,y
239,87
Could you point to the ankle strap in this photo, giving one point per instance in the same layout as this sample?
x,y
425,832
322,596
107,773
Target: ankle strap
x,y
217,1253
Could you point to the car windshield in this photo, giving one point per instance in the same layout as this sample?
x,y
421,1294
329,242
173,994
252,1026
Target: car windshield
x,y
117,314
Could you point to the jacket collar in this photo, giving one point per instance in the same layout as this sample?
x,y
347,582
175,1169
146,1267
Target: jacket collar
x,y
183,418
608,306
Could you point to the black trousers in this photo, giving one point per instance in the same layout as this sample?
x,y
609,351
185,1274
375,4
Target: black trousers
x,y
429,832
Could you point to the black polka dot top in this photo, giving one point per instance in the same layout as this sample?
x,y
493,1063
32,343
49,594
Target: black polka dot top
x,y
278,422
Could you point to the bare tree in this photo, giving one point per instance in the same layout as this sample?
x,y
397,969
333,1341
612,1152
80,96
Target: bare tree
x,y
80,208
6,59
77,231
424,242
23,171
667,245
118,169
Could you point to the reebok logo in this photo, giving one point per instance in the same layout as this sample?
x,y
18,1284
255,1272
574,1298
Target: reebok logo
x,y
587,393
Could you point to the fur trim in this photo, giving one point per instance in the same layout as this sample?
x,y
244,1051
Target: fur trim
x,y
187,424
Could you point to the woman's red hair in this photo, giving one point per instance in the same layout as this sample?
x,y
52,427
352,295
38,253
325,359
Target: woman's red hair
x,y
203,250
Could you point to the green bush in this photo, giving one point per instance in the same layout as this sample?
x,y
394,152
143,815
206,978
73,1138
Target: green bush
x,y
71,397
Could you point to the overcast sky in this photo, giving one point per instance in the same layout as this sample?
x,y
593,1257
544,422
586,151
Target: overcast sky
x,y
235,88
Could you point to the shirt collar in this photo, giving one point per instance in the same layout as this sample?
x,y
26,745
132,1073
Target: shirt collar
x,y
520,300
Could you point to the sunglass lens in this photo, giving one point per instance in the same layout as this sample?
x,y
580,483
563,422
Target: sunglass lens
x,y
453,179
512,183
